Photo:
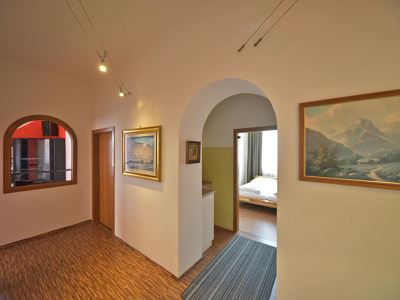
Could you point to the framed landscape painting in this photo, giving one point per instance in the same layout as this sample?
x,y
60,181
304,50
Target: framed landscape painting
x,y
352,140
142,153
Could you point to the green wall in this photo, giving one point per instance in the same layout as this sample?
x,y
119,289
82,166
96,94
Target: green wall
x,y
218,168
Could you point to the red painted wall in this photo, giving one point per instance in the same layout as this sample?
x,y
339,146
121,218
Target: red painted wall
x,y
33,130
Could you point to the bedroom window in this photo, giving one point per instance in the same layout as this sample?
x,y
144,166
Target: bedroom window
x,y
269,159
257,155
39,152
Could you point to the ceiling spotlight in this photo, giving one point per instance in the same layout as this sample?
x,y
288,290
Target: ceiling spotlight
x,y
102,65
121,92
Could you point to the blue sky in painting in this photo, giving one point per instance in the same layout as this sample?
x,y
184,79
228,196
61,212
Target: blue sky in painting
x,y
143,139
312,111
333,119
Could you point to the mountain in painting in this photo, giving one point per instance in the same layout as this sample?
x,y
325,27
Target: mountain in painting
x,y
326,157
323,152
364,138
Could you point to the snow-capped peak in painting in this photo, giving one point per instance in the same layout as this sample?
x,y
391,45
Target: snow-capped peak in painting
x,y
366,139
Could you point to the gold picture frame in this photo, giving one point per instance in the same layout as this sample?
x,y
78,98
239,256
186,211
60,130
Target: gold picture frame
x,y
352,140
141,153
193,150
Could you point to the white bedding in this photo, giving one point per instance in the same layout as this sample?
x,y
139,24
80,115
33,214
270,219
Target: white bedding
x,y
263,188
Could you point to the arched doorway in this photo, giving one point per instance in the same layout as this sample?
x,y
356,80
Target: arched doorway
x,y
190,175
239,164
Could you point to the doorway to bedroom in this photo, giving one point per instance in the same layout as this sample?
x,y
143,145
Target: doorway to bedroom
x,y
219,166
255,182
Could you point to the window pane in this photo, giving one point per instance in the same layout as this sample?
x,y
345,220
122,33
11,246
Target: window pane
x,y
270,153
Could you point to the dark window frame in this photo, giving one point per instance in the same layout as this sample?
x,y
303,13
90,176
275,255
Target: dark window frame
x,y
7,155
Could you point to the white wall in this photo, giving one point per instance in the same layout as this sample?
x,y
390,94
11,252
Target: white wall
x,y
27,91
146,212
239,111
335,242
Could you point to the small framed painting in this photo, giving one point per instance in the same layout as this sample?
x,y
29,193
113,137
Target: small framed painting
x,y
142,153
193,150
352,140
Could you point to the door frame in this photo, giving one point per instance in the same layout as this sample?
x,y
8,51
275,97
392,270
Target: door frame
x,y
95,181
236,171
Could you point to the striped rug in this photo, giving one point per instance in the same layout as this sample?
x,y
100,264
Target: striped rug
x,y
244,269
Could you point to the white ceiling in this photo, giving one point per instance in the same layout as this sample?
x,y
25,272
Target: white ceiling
x,y
44,33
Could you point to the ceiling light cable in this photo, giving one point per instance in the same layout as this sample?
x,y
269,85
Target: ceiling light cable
x,y
276,22
112,68
261,25
103,57
92,25
83,29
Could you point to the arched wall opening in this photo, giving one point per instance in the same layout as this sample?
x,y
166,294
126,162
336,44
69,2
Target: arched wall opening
x,y
226,156
39,152
190,175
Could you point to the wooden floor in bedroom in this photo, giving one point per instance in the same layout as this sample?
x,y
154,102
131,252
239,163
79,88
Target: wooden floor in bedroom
x,y
87,262
258,223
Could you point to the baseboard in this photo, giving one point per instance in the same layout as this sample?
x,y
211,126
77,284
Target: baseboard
x,y
43,234
215,227
149,259
224,229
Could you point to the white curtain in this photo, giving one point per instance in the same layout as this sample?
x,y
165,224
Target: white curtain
x,y
270,153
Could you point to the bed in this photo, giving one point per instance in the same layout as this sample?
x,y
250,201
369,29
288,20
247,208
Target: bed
x,y
260,191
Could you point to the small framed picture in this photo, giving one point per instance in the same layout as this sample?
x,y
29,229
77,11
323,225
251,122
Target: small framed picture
x,y
193,150
142,153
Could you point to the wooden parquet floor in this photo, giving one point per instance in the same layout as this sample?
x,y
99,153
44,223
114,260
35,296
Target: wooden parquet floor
x,y
258,221
87,262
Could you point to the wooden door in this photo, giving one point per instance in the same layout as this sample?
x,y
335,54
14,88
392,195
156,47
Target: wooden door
x,y
103,178
106,191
